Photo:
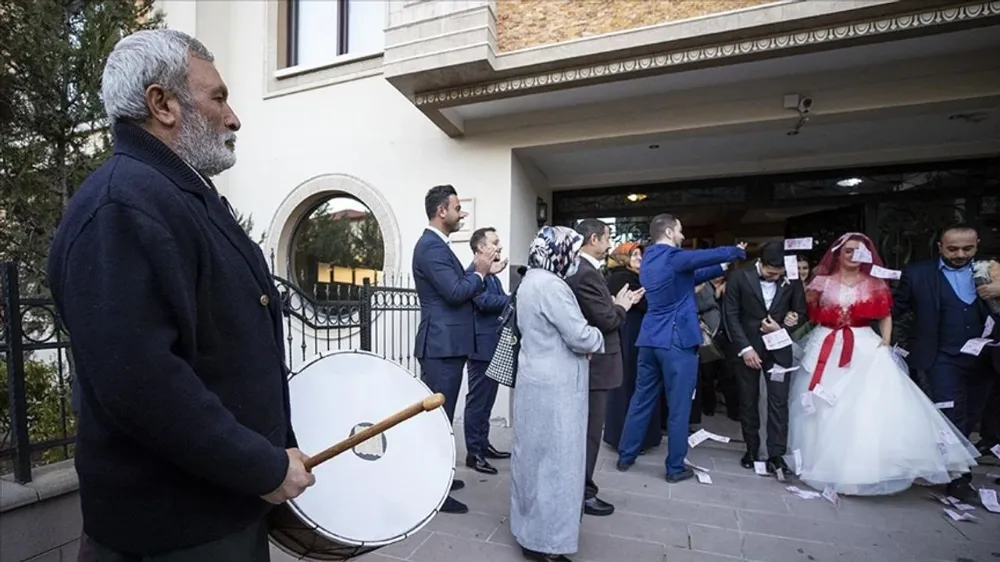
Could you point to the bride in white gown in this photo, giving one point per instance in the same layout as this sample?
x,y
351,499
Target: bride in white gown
x,y
861,425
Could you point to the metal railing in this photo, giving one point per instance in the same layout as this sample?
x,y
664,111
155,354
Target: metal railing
x,y
37,425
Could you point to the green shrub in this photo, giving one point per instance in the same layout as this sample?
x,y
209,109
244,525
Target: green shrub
x,y
48,405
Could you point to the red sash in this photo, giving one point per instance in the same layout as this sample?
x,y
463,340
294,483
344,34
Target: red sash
x,y
827,348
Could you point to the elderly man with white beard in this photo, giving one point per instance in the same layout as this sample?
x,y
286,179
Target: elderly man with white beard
x,y
184,431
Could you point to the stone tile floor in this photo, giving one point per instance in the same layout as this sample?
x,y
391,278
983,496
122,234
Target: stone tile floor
x,y
740,516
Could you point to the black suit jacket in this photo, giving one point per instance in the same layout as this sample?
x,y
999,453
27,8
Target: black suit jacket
x,y
599,309
919,293
744,311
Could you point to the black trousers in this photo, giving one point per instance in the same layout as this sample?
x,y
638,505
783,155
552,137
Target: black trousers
x,y
478,405
595,425
248,545
748,381
712,378
444,375
966,381
989,428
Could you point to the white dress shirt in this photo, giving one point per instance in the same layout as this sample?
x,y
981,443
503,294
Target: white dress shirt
x,y
593,261
768,289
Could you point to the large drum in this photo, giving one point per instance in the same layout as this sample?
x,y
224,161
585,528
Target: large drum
x,y
383,490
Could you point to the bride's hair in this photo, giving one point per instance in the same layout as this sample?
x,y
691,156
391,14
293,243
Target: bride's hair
x,y
830,264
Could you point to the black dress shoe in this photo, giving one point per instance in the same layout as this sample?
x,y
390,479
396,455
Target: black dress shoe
x,y
542,557
479,464
747,461
597,506
961,489
623,466
457,484
775,463
984,446
451,505
492,453
681,476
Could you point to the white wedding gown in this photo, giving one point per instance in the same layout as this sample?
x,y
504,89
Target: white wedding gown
x,y
882,433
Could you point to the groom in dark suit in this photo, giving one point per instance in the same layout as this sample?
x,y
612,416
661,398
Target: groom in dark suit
x,y
607,314
487,307
761,300
947,312
446,335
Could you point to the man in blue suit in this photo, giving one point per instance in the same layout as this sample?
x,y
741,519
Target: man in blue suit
x,y
669,339
947,312
446,335
487,307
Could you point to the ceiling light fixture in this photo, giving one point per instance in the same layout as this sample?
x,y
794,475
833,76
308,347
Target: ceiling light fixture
x,y
635,197
849,182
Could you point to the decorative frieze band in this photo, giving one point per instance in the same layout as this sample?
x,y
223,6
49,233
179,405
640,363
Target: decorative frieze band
x,y
642,64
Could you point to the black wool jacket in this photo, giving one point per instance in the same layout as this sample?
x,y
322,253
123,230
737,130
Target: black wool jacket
x,y
175,328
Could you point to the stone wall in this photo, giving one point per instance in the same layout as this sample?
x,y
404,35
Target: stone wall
x,y
41,521
529,23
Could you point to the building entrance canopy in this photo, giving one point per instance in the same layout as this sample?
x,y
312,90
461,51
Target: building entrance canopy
x,y
474,67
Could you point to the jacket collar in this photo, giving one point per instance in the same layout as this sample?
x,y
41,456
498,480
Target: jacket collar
x,y
134,141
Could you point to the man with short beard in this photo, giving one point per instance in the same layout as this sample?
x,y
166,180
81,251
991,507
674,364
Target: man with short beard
x,y
947,312
184,433
446,336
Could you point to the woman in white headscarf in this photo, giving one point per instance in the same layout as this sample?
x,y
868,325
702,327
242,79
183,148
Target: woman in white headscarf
x,y
549,451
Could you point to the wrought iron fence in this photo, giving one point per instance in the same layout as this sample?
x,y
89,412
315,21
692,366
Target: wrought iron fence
x,y
37,425
36,422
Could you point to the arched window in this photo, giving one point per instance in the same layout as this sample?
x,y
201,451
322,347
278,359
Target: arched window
x,y
335,247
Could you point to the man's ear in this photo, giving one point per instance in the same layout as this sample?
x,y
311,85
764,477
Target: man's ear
x,y
162,105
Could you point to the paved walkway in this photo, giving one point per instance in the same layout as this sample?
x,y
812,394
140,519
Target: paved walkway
x,y
740,516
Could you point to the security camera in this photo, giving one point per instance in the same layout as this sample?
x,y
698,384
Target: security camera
x,y
798,102
805,104
801,104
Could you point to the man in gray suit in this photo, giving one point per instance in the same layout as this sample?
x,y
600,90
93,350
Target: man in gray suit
x,y
606,313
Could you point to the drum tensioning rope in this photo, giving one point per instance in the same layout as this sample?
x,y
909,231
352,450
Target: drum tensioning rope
x,y
426,405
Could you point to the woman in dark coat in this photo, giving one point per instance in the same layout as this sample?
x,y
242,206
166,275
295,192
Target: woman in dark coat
x,y
624,270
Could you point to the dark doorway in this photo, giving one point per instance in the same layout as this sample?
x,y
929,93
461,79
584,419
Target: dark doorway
x,y
900,207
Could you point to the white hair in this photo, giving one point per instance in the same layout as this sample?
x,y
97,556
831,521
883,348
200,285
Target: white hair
x,y
153,56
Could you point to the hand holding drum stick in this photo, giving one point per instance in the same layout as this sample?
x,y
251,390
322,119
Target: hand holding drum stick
x,y
426,405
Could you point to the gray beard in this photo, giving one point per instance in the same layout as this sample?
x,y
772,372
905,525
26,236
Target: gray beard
x,y
202,148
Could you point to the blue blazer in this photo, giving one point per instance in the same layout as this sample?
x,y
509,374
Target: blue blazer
x,y
919,292
447,327
487,308
669,276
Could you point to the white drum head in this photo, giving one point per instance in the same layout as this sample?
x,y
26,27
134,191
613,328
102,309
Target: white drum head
x,y
388,487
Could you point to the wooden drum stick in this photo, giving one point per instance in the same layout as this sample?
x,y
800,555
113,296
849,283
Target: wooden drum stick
x,y
426,405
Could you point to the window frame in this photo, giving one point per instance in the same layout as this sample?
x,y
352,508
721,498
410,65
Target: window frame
x,y
290,64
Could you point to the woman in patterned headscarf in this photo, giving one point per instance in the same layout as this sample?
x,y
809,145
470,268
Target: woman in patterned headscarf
x,y
549,452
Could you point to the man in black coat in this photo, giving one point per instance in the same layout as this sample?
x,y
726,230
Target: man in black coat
x,y
184,438
761,300
606,313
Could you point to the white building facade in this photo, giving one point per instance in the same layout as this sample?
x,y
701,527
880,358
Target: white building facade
x,y
378,101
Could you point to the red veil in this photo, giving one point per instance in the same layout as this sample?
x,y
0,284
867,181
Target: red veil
x,y
830,264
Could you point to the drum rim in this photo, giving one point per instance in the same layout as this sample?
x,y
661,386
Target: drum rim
x,y
293,506
329,353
